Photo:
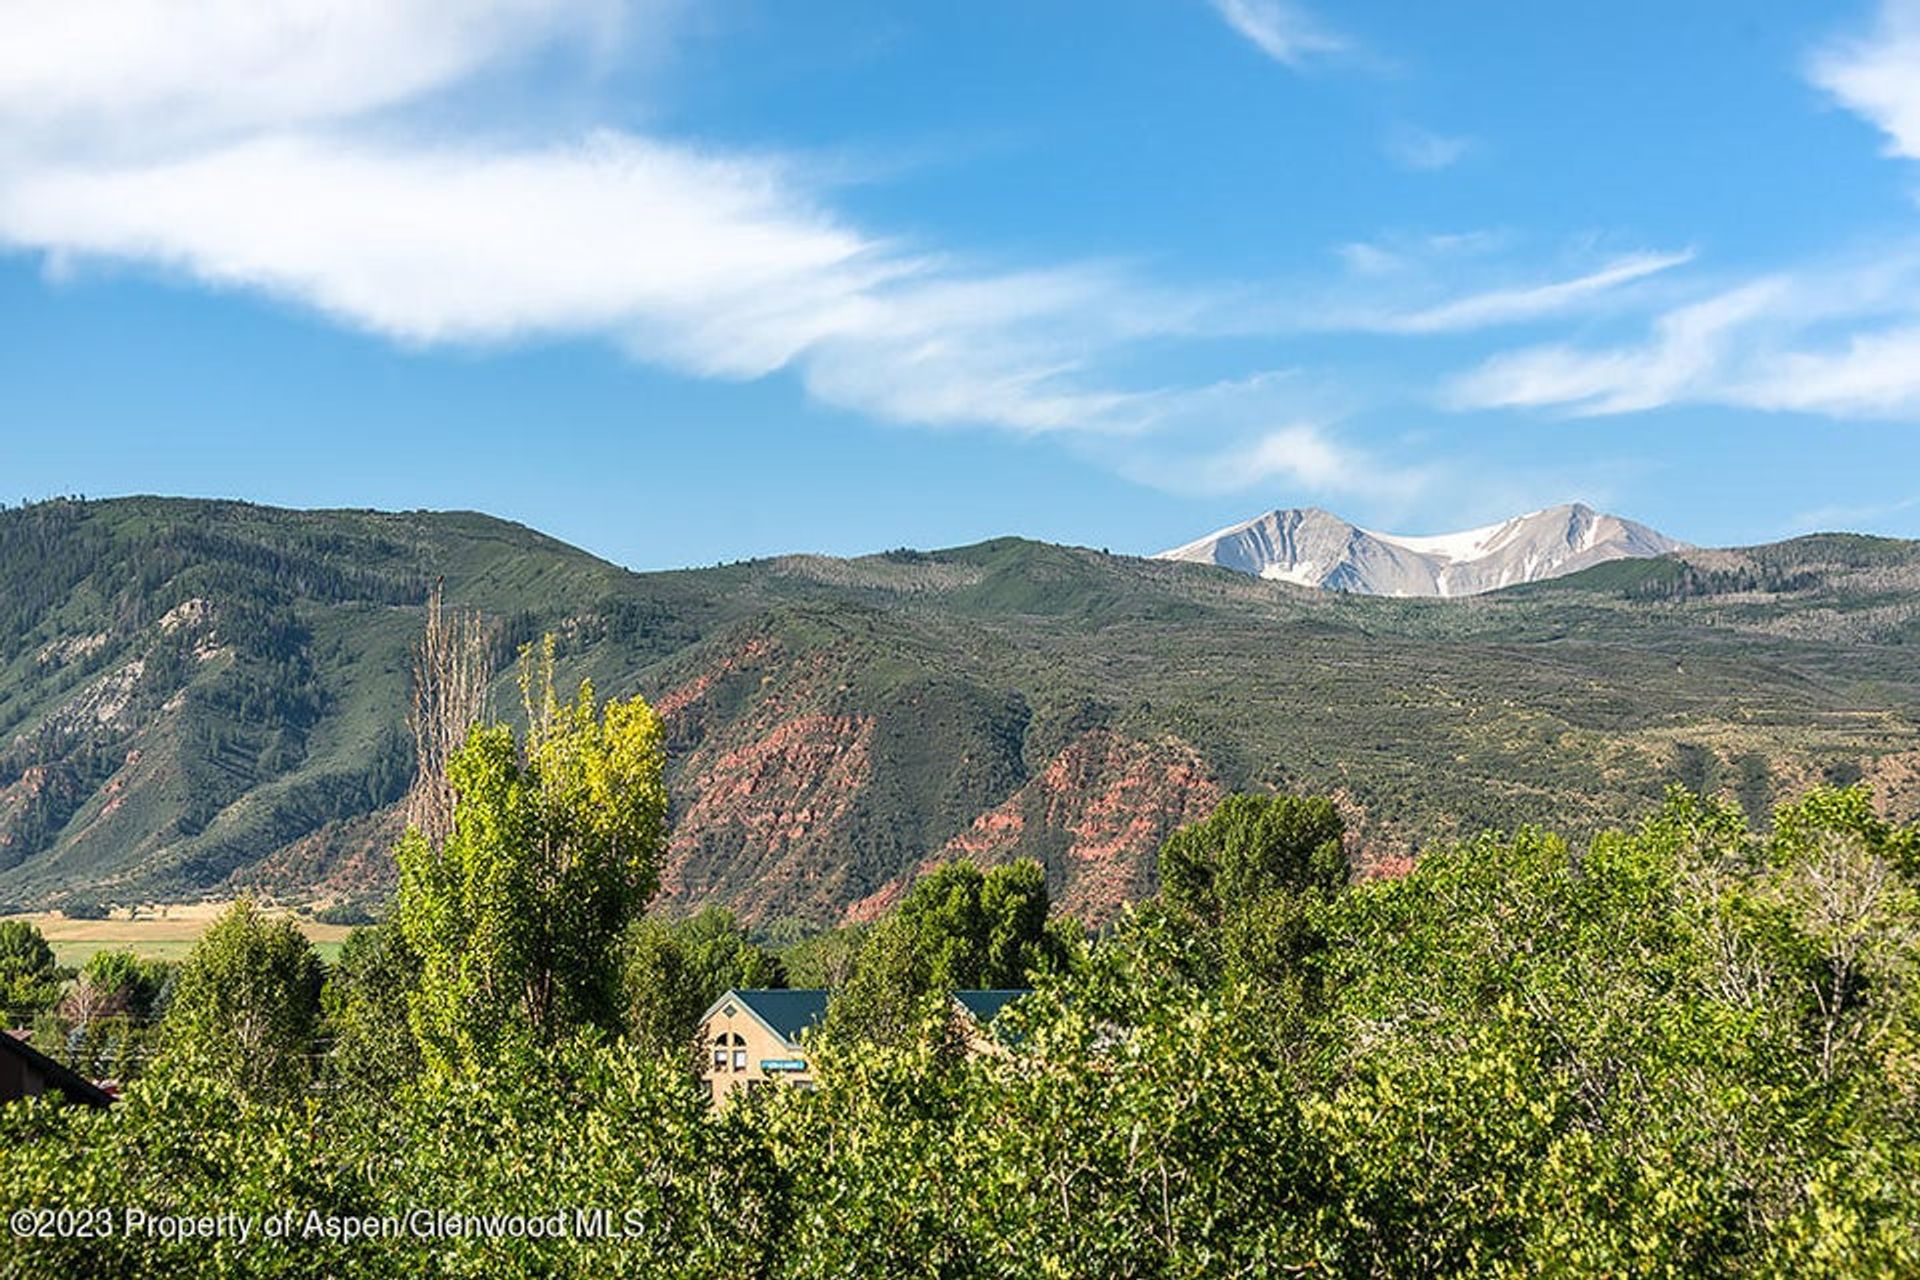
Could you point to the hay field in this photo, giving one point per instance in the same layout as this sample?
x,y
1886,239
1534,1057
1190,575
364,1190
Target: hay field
x,y
165,931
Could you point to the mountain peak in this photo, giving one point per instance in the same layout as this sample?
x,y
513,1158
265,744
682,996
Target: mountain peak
x,y
1311,547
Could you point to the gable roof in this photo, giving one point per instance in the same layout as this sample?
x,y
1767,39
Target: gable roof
x,y
77,1088
784,1011
985,1006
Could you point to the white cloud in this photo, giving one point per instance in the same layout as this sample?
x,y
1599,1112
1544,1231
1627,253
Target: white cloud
x,y
1302,454
1275,438
712,265
135,74
1874,374
1678,361
1836,516
1834,341
1365,259
1877,74
1843,343
1280,29
1532,302
440,244
266,147
1425,151
1397,253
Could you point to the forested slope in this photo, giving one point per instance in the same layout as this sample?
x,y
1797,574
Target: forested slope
x,y
195,695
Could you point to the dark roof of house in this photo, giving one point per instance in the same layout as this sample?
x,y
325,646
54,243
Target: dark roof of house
x,y
77,1088
985,1006
787,1012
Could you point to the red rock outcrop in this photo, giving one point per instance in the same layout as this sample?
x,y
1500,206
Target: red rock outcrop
x,y
1097,815
764,814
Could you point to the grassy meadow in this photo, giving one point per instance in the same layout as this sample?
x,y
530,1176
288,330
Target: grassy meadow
x,y
165,931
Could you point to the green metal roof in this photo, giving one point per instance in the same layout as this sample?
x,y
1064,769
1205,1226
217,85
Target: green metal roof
x,y
985,1006
787,1012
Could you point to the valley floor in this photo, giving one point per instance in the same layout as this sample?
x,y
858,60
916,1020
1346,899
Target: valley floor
x,y
158,931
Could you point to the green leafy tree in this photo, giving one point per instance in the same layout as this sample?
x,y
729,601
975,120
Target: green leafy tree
x,y
1687,1049
29,975
1238,890
676,969
1251,846
554,850
365,1002
105,1023
246,1006
130,983
958,928
824,959
973,929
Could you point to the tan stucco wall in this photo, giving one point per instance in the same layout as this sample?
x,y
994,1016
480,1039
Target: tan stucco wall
x,y
761,1044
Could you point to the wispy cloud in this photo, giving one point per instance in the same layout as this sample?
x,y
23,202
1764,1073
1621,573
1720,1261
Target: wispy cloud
x,y
1425,151
1838,343
1427,285
1306,456
1841,341
1868,375
1283,31
1681,358
1530,302
1848,515
1877,74
1305,459
135,76
1271,431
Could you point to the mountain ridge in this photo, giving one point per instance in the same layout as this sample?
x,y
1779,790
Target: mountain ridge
x,y
1312,547
203,697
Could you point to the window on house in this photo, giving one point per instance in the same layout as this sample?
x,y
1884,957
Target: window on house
x,y
724,1042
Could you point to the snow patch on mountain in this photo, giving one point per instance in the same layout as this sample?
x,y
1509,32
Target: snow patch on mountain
x,y
1315,548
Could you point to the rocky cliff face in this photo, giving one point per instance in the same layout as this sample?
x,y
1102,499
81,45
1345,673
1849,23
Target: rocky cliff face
x,y
795,804
1096,816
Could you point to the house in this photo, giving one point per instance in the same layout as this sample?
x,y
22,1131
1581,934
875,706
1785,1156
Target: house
x,y
25,1072
751,1037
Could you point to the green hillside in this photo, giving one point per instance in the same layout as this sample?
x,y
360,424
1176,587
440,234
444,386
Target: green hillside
x,y
196,696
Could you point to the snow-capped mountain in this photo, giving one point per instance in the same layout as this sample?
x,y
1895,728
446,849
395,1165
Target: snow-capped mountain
x,y
1315,548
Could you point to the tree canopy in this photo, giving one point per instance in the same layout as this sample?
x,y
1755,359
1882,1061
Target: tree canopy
x,y
1689,1048
29,975
675,969
957,928
246,1006
554,849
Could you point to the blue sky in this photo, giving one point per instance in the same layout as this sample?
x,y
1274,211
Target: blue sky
x,y
691,282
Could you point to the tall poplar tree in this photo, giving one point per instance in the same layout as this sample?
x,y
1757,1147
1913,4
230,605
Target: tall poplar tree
x,y
518,915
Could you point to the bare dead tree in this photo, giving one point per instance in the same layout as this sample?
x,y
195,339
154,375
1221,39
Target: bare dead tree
x,y
452,667
86,1003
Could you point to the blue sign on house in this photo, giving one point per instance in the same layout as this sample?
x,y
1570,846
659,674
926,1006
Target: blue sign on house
x,y
783,1064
